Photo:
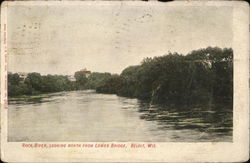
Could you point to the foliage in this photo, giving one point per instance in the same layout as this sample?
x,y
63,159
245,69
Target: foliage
x,y
111,85
35,84
96,79
81,80
202,76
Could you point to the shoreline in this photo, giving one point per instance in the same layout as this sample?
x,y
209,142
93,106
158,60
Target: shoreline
x,y
28,97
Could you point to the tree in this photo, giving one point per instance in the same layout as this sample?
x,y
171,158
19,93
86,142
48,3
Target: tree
x,y
202,76
34,81
81,80
97,79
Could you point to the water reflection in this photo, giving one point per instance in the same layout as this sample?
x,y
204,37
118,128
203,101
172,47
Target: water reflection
x,y
88,116
209,120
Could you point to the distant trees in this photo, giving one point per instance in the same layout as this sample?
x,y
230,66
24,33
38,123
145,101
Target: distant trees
x,y
56,83
15,86
202,76
111,85
97,79
81,80
35,83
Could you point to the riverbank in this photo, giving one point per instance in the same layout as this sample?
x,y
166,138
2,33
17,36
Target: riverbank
x,y
202,77
28,97
87,115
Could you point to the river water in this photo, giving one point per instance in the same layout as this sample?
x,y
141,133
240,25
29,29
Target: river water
x,y
86,116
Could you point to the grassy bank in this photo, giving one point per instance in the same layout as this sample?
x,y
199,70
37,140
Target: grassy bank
x,y
28,97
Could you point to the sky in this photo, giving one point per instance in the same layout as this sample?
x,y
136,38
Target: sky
x,y
63,39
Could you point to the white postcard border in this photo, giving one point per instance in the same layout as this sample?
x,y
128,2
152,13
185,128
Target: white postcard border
x,y
165,152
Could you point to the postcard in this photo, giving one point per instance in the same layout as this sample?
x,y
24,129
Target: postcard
x,y
124,81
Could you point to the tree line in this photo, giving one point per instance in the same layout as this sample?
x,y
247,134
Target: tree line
x,y
202,76
35,83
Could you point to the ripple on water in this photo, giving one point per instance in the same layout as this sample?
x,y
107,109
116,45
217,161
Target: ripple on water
x,y
103,117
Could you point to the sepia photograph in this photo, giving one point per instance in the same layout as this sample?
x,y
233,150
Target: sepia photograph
x,y
120,72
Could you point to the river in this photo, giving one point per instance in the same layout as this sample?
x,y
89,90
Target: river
x,y
85,116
